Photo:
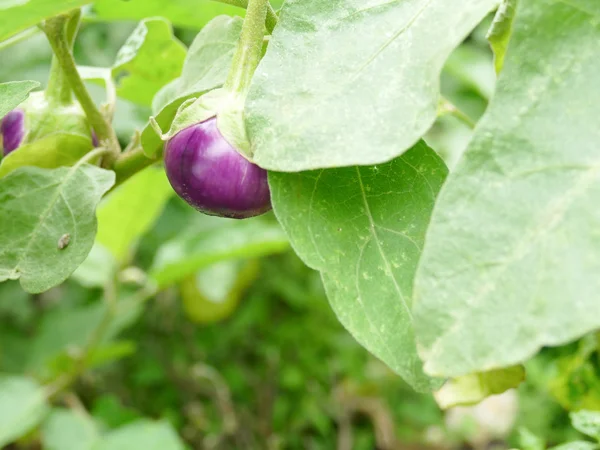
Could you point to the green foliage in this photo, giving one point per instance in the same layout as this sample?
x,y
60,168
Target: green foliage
x,y
501,31
209,240
69,430
18,16
339,222
52,151
355,88
167,329
129,211
13,93
22,406
510,263
205,68
37,208
473,388
587,422
151,58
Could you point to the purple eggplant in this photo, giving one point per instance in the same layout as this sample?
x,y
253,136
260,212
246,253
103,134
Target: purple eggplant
x,y
212,176
12,130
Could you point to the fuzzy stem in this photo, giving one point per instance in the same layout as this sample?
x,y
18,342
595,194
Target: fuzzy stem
x,y
130,163
271,19
58,41
249,48
58,89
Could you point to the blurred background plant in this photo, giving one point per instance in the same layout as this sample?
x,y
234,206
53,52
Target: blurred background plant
x,y
185,331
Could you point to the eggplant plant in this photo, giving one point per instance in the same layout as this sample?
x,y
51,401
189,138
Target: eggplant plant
x,y
456,236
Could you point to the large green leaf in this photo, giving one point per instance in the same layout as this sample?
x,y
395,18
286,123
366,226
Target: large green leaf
x,y
363,228
350,82
511,260
128,212
69,430
206,67
143,435
22,406
210,240
54,150
41,211
18,15
151,58
13,93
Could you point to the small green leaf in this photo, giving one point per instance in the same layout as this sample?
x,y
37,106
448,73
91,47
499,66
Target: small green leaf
x,y
587,422
512,255
143,435
500,31
13,93
206,67
39,206
181,13
69,430
52,151
19,15
365,79
151,58
363,228
210,240
22,407
128,212
530,441
473,388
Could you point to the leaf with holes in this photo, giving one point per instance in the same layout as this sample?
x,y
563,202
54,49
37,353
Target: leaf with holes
x,y
363,228
38,208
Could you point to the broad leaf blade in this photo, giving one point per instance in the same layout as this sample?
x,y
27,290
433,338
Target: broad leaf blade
x,y
350,82
128,212
69,430
587,422
363,228
22,407
20,15
211,240
14,93
511,261
143,435
52,151
38,208
151,58
206,67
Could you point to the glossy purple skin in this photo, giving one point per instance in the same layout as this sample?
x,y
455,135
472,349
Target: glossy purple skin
x,y
209,174
12,129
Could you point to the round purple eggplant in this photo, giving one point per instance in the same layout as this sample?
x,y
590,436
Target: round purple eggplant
x,y
212,176
12,130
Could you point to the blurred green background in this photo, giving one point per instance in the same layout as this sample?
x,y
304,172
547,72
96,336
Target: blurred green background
x,y
247,353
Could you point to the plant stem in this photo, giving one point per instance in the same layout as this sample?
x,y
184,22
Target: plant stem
x,y
271,19
130,163
249,49
62,51
446,107
58,89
